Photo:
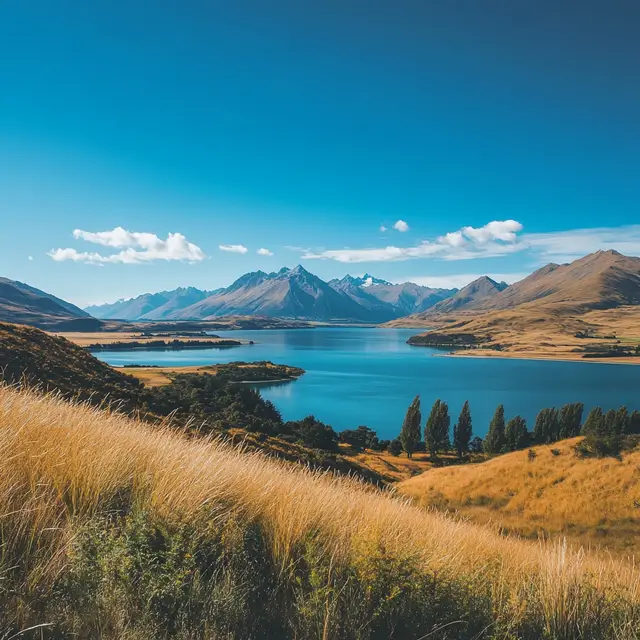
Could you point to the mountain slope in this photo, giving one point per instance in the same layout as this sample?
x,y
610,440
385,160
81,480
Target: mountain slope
x,y
24,304
360,291
600,280
151,306
293,293
472,296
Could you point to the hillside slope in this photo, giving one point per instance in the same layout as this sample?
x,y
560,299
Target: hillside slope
x,y
114,529
24,304
590,500
55,364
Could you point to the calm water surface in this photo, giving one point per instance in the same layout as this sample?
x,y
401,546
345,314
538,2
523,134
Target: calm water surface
x,y
369,376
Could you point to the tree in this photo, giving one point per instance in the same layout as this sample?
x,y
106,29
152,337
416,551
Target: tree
x,y
545,429
410,432
395,447
494,442
436,433
594,422
314,433
362,437
462,430
516,435
476,445
633,424
570,420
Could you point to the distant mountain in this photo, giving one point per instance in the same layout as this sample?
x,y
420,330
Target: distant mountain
x,y
289,293
600,280
23,304
408,297
149,306
474,295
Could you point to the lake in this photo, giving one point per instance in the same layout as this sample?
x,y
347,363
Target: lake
x,y
358,376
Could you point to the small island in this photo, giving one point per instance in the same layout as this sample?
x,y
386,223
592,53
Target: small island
x,y
176,344
261,372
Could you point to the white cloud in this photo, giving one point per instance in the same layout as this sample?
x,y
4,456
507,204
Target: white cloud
x,y
233,248
264,252
30,258
460,280
383,228
401,226
565,246
496,238
137,248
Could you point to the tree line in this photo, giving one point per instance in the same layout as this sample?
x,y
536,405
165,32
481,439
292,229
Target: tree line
x,y
603,431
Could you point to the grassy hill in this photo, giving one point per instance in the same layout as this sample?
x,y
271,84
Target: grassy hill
x,y
114,529
55,364
592,501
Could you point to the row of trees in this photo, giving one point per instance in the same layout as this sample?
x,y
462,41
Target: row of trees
x,y
603,431
436,431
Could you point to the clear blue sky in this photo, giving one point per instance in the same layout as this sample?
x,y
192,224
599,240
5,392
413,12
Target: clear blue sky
x,y
302,128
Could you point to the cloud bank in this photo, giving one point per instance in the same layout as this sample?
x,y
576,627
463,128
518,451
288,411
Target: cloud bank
x,y
136,248
493,239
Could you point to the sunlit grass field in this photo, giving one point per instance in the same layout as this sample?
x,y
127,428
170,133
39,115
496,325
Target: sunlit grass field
x,y
112,528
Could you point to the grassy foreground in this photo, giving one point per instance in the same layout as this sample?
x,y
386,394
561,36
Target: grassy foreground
x,y
112,528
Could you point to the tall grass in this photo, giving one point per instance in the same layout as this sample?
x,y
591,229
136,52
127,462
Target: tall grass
x,y
112,528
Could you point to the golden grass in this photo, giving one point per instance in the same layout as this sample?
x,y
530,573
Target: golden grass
x,y
60,463
587,499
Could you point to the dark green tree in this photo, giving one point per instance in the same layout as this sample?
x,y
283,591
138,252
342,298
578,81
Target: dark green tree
x,y
410,432
462,430
633,424
545,429
516,434
594,422
395,447
494,442
436,433
570,420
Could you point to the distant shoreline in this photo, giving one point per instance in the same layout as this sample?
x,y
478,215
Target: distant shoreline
x,y
467,353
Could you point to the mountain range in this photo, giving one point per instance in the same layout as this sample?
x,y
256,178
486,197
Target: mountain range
x,y
288,293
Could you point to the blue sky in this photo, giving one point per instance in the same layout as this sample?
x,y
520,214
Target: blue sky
x,y
504,134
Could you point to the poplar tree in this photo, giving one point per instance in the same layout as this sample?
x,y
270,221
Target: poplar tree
x,y
570,420
516,434
462,430
594,424
436,433
546,427
410,432
494,442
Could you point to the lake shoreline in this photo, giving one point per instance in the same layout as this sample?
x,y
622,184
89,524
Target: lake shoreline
x,y
465,353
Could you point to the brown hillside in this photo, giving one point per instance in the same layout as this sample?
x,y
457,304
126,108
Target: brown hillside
x,y
590,500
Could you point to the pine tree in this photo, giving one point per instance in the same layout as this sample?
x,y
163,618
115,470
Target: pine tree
x,y
516,434
569,420
494,442
410,432
462,430
594,422
436,433
546,427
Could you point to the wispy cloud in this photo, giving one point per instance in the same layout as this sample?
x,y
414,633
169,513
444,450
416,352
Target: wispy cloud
x,y
233,248
264,252
496,238
401,226
564,246
136,248
30,258
460,280
383,228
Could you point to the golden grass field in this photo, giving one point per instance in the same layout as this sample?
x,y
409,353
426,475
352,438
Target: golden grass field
x,y
591,501
61,465
542,332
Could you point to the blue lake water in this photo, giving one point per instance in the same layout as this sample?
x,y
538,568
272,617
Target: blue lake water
x,y
359,376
